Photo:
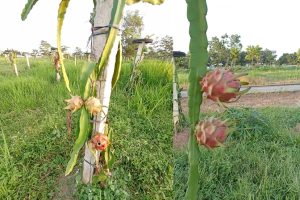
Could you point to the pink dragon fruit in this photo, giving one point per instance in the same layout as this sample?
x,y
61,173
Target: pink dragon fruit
x,y
100,142
222,85
211,132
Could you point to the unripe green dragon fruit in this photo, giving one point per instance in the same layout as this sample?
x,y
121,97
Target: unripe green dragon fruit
x,y
211,132
222,85
93,105
75,103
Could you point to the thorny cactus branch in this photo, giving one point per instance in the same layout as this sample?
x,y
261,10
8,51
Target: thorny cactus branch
x,y
196,14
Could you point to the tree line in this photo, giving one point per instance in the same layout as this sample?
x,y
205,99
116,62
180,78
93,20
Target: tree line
x,y
227,51
132,27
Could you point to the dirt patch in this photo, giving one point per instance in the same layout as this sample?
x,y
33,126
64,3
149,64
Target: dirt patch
x,y
66,187
258,100
180,139
297,129
255,100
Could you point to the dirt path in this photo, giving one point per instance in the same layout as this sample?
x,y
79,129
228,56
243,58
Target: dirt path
x,y
256,100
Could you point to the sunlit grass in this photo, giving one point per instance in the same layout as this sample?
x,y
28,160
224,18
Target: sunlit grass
x,y
260,160
36,147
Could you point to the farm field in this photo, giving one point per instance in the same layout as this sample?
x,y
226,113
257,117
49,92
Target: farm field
x,y
35,146
259,76
259,160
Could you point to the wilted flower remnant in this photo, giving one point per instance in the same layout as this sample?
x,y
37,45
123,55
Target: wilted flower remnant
x,y
92,104
75,103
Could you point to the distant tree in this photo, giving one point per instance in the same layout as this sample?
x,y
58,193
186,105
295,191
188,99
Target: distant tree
x,y
288,59
45,48
292,59
268,57
218,52
165,47
283,59
132,29
78,52
298,56
225,50
234,55
160,47
235,47
253,54
242,59
34,53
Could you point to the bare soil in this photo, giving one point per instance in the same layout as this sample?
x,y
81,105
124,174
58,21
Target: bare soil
x,y
257,100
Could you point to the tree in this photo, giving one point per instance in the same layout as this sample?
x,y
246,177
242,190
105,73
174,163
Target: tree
x,y
218,52
235,46
34,53
234,55
253,54
78,52
267,57
161,47
298,56
45,48
132,29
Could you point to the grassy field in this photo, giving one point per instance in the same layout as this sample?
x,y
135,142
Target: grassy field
x,y
35,147
259,161
259,75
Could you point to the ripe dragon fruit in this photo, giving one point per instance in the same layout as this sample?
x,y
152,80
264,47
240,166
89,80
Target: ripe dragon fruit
x,y
93,105
99,142
222,85
75,103
211,132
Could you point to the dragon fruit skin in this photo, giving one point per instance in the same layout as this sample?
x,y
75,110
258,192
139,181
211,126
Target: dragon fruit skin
x,y
100,142
211,132
221,85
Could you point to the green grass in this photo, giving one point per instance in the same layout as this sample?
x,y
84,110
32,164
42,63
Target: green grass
x,y
259,161
35,147
259,76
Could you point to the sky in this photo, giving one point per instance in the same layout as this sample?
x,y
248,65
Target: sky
x,y
272,24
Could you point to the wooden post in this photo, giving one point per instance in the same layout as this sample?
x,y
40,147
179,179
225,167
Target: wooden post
x,y
175,99
139,53
16,69
75,60
27,60
102,18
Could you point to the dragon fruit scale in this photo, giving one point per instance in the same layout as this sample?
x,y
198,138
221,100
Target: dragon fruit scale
x,y
99,142
211,132
221,85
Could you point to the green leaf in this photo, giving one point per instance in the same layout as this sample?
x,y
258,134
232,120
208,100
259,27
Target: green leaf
x,y
85,82
153,2
60,19
84,131
118,66
26,10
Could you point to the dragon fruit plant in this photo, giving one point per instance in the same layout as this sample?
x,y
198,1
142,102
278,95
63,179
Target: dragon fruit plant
x,y
98,80
56,61
12,57
219,85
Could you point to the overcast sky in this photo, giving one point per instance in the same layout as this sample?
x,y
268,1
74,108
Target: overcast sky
x,y
271,24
